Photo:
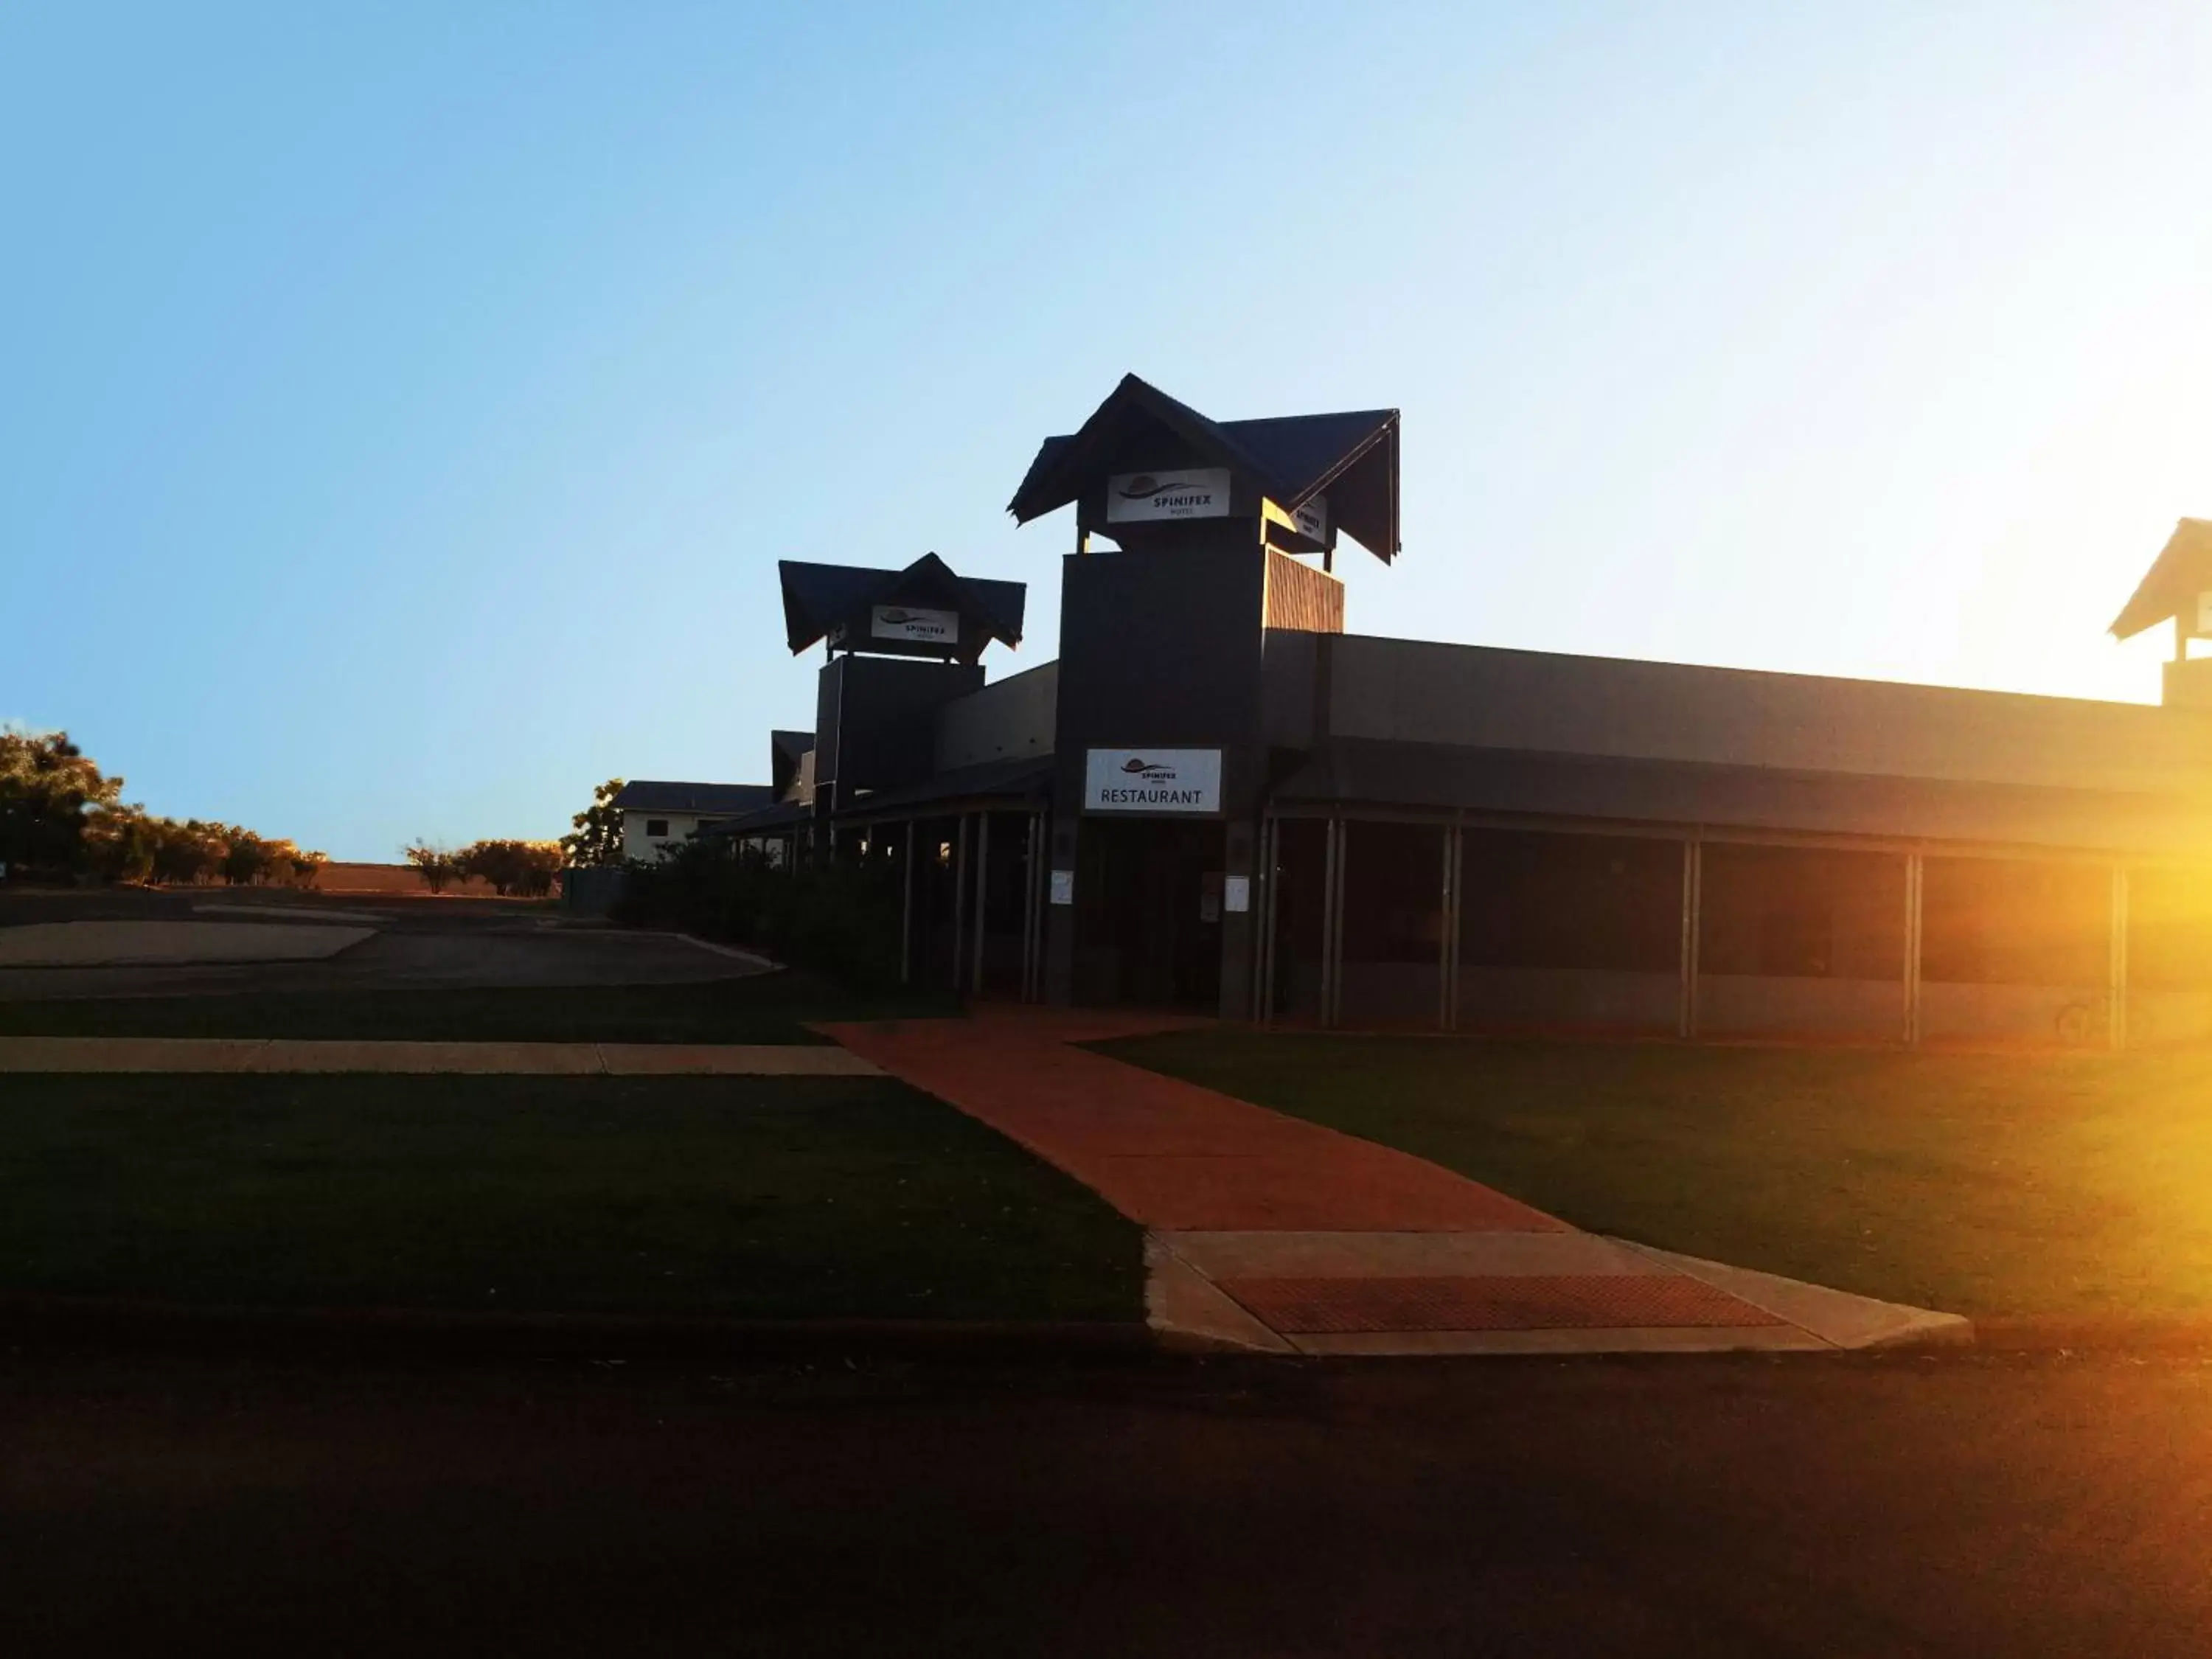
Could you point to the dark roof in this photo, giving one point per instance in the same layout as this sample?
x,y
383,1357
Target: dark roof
x,y
1023,777
2182,570
818,598
645,795
783,815
794,744
1354,456
1383,773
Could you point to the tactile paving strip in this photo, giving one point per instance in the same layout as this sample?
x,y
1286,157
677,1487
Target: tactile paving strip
x,y
1530,1302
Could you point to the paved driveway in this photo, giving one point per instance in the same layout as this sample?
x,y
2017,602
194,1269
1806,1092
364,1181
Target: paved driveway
x,y
415,944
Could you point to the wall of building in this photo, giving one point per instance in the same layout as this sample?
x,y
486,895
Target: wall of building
x,y
1005,720
876,720
1480,697
636,844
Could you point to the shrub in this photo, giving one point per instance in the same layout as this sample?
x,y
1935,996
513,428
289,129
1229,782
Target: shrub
x,y
840,920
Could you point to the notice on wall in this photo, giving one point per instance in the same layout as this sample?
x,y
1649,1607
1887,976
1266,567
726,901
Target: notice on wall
x,y
1236,894
1196,492
907,622
1152,781
1063,887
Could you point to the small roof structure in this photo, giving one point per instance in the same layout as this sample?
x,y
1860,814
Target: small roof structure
x,y
836,602
1352,456
2182,570
648,795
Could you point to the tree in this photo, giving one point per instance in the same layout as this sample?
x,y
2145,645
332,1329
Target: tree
x,y
440,868
187,853
119,843
248,860
524,867
307,866
598,837
48,787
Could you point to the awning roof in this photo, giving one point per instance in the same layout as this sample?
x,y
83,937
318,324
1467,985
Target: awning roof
x,y
1376,773
1352,456
784,815
817,597
1022,778
2182,570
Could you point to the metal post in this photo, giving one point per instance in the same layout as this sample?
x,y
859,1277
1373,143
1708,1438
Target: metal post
x,y
1328,892
1331,929
906,912
1916,872
1693,883
1041,890
983,895
1448,901
1453,922
2116,1023
1264,914
1028,901
959,898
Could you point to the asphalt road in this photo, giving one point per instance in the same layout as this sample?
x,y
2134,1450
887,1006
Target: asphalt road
x,y
419,944
1891,1506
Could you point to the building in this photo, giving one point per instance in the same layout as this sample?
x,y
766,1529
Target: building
x,y
656,816
1217,799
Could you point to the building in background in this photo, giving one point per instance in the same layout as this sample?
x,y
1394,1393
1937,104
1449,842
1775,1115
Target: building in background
x,y
659,815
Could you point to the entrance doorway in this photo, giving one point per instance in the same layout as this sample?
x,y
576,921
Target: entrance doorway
x,y
1148,913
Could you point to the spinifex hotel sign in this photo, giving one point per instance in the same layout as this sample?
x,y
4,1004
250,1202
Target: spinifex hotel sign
x,y
1195,492
1152,781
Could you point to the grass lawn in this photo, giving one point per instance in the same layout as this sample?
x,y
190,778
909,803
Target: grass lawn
x,y
2054,1186
760,1008
743,1197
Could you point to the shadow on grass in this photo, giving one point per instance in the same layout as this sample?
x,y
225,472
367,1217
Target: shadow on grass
x,y
758,1008
754,1198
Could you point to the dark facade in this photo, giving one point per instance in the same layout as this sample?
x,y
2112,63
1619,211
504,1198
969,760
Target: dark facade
x,y
1217,799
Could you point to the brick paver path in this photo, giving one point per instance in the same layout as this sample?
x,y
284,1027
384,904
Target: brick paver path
x,y
1248,1201
1169,1153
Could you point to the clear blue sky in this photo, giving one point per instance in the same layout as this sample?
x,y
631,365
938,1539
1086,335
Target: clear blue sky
x,y
402,412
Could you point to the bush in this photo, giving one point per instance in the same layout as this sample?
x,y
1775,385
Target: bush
x,y
527,867
840,920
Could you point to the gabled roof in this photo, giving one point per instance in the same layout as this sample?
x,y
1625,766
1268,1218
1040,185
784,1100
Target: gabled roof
x,y
645,795
818,598
1352,456
2182,570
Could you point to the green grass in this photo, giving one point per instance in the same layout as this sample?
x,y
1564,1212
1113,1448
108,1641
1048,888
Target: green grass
x,y
739,1197
2050,1186
759,1008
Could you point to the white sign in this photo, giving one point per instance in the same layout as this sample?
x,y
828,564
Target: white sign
x,y
902,622
1152,781
1201,492
1313,518
1236,894
1063,887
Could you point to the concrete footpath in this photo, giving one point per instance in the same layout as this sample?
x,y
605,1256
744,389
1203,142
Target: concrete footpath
x,y
1268,1232
269,1055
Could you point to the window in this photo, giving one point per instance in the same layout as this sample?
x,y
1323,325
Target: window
x,y
656,827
